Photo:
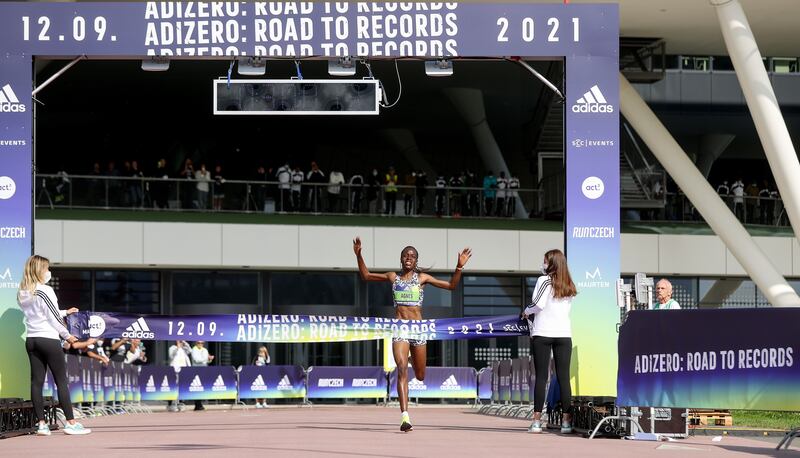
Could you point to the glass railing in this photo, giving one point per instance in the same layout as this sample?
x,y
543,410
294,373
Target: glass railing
x,y
171,194
767,211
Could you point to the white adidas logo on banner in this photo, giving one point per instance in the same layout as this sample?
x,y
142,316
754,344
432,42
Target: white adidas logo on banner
x,y
258,384
150,387
9,102
417,385
451,384
165,385
219,384
592,101
139,330
196,385
285,384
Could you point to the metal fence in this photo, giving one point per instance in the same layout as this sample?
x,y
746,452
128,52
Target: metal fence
x,y
171,194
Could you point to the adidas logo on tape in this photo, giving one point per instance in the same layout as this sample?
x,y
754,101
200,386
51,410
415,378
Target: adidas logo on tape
x,y
451,384
219,384
9,102
196,385
150,387
285,384
416,385
165,385
139,330
258,384
593,102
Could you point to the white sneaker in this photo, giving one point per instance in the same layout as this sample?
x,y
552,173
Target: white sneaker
x,y
535,427
76,429
43,430
259,406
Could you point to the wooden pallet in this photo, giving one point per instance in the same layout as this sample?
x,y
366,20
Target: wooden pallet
x,y
700,418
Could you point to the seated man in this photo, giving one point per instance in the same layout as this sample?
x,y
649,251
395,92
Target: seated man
x,y
664,300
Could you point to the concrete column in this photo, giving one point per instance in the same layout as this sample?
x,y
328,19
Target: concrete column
x,y
719,291
763,105
710,148
469,104
704,198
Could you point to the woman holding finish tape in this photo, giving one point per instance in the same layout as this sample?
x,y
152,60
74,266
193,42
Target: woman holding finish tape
x,y
551,331
45,325
407,291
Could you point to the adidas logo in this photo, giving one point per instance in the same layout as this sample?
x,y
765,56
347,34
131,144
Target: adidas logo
x,y
451,384
150,387
285,384
219,384
9,103
592,102
196,385
258,384
139,330
165,385
415,384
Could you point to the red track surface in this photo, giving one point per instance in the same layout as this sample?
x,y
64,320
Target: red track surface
x,y
348,431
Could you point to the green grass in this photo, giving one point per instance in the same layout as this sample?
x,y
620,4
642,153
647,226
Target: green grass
x,y
765,419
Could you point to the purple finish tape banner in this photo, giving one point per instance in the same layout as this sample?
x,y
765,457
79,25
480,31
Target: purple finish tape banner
x,y
287,328
203,383
711,359
272,382
440,383
334,382
158,383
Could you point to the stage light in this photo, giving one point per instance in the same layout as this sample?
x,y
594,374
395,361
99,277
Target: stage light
x,y
252,66
439,67
155,64
343,66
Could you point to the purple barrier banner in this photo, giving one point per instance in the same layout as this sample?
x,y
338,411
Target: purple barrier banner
x,y
288,328
272,382
495,381
97,381
340,382
86,378
516,379
440,383
119,380
485,380
158,383
49,387
714,359
109,393
74,378
204,383
504,380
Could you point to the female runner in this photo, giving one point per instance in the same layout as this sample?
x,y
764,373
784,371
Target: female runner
x,y
407,292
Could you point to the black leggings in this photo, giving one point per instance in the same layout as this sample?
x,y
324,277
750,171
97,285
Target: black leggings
x,y
562,353
44,353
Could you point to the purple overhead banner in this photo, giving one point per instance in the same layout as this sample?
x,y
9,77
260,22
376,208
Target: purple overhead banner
x,y
586,35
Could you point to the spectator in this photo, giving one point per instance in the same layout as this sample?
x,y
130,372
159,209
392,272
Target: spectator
x,y
135,354
373,189
335,182
161,187
203,177
297,188
97,188
724,192
119,348
738,199
390,192
179,357
513,194
502,185
284,177
489,191
261,359
126,184
259,195
136,186
218,191
87,348
455,184
751,202
187,173
766,204
316,178
113,185
200,357
441,195
473,195
421,190
410,182
356,189
664,297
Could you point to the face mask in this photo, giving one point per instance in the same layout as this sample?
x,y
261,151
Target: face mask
x,y
100,343
47,276
544,269
375,172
